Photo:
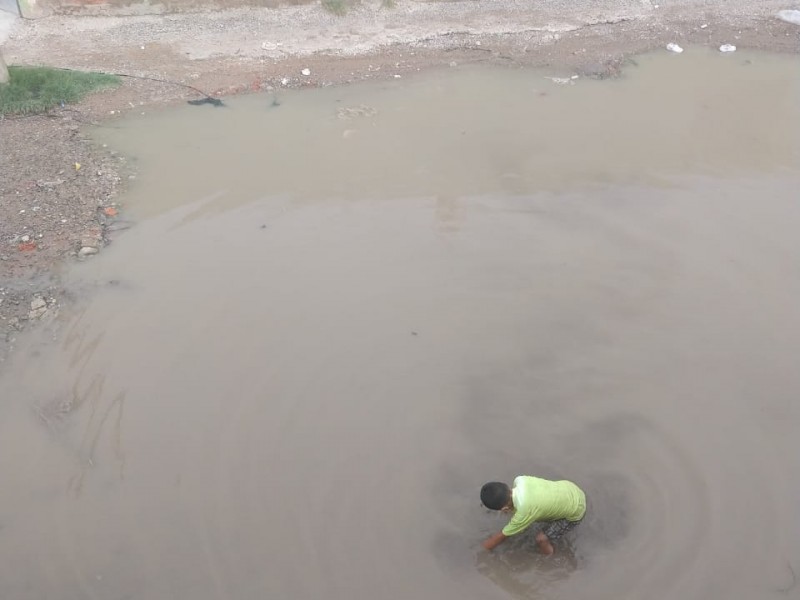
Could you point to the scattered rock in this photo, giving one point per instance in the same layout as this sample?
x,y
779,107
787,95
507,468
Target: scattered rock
x,y
87,251
49,184
38,308
92,238
672,47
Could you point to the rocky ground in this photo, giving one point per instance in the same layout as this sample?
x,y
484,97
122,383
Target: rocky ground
x,y
58,191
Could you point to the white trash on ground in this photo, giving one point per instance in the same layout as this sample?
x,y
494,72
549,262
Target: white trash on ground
x,y
727,48
672,47
790,16
563,80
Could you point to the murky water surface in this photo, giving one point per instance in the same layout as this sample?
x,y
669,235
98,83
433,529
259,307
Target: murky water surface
x,y
341,311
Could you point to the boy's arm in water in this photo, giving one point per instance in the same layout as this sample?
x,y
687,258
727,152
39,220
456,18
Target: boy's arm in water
x,y
492,542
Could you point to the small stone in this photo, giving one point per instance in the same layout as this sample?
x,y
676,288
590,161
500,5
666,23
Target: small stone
x,y
38,308
87,251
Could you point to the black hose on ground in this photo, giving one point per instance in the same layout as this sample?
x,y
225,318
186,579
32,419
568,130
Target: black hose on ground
x,y
207,98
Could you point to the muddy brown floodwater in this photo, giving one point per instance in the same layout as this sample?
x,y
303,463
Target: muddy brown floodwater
x,y
341,311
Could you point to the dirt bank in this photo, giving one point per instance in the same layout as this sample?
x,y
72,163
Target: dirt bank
x,y
57,191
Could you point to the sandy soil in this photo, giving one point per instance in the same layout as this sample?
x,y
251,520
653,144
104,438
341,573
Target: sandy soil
x,y
57,191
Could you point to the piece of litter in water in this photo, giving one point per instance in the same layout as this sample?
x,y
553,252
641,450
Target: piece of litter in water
x,y
674,48
790,16
562,80
727,48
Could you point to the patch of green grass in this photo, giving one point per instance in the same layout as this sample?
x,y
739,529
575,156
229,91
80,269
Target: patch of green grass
x,y
34,90
337,7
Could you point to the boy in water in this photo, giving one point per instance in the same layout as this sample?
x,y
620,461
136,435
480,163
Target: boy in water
x,y
559,504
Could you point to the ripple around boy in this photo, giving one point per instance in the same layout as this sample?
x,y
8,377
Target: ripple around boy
x,y
560,505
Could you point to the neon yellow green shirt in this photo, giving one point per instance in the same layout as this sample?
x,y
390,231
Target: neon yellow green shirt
x,y
538,499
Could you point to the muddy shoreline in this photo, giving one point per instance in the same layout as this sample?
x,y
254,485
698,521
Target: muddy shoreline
x,y
59,191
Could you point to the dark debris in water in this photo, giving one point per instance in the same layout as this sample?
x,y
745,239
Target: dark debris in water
x,y
206,100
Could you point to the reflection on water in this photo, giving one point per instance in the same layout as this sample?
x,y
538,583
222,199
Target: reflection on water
x,y
292,377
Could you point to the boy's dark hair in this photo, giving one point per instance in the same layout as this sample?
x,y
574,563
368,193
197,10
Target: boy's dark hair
x,y
495,495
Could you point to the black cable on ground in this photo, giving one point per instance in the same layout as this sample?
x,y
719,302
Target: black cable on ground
x,y
207,98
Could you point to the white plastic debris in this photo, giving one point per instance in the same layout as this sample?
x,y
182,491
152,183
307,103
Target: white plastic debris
x,y
306,72
672,47
790,16
727,48
561,80
704,26
285,81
